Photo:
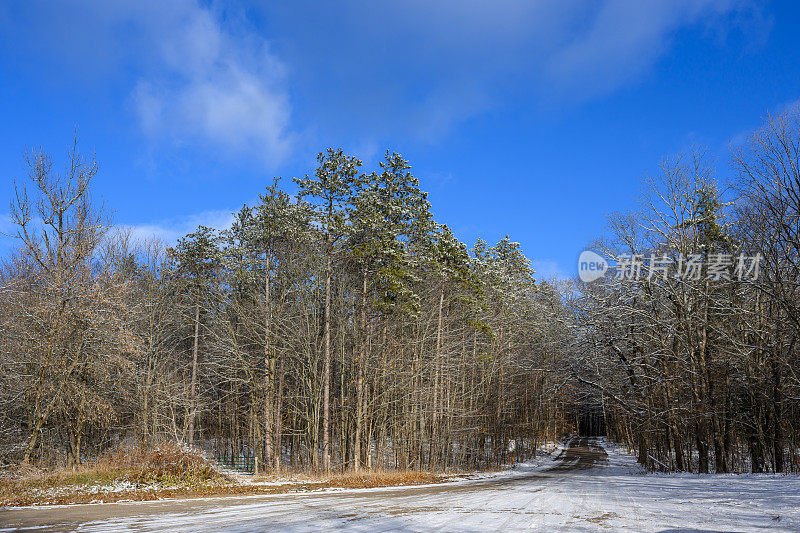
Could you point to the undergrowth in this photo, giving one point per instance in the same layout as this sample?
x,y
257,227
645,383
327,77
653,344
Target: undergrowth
x,y
124,471
171,471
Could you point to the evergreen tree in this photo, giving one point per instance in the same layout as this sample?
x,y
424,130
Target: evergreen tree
x,y
331,189
197,263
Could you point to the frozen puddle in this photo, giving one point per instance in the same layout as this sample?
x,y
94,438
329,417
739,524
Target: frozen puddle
x,y
592,487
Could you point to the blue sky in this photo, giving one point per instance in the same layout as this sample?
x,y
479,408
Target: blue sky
x,y
533,119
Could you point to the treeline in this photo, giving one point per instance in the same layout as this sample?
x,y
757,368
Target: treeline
x,y
698,371
338,328
342,327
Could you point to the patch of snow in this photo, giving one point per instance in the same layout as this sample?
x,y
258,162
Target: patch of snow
x,y
614,495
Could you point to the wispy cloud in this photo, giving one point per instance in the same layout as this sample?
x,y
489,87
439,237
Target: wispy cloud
x,y
196,73
547,269
172,229
257,80
437,180
622,39
439,64
7,233
212,84
741,138
168,230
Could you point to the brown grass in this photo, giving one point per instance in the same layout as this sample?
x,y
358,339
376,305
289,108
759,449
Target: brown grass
x,y
358,480
144,472
169,471
163,464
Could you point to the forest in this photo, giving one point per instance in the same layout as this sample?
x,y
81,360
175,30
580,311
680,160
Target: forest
x,y
344,328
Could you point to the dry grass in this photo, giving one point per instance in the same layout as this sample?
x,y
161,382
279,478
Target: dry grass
x,y
357,480
125,473
163,464
170,471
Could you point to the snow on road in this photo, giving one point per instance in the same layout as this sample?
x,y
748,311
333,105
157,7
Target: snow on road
x,y
585,490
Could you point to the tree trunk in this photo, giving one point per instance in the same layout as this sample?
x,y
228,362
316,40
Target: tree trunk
x,y
278,417
360,379
436,365
326,380
269,370
702,448
193,386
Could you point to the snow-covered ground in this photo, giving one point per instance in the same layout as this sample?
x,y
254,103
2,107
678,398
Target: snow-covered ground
x,y
572,493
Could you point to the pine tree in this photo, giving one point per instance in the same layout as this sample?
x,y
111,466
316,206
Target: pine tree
x,y
331,189
197,258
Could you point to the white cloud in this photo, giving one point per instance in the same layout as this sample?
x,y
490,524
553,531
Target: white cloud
x,y
435,65
622,39
212,84
743,137
195,74
438,180
206,74
546,269
7,226
170,230
7,232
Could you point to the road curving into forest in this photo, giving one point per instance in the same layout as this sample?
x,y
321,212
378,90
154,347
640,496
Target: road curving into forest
x,y
588,487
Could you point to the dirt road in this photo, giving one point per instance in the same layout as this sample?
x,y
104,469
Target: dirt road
x,y
584,489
